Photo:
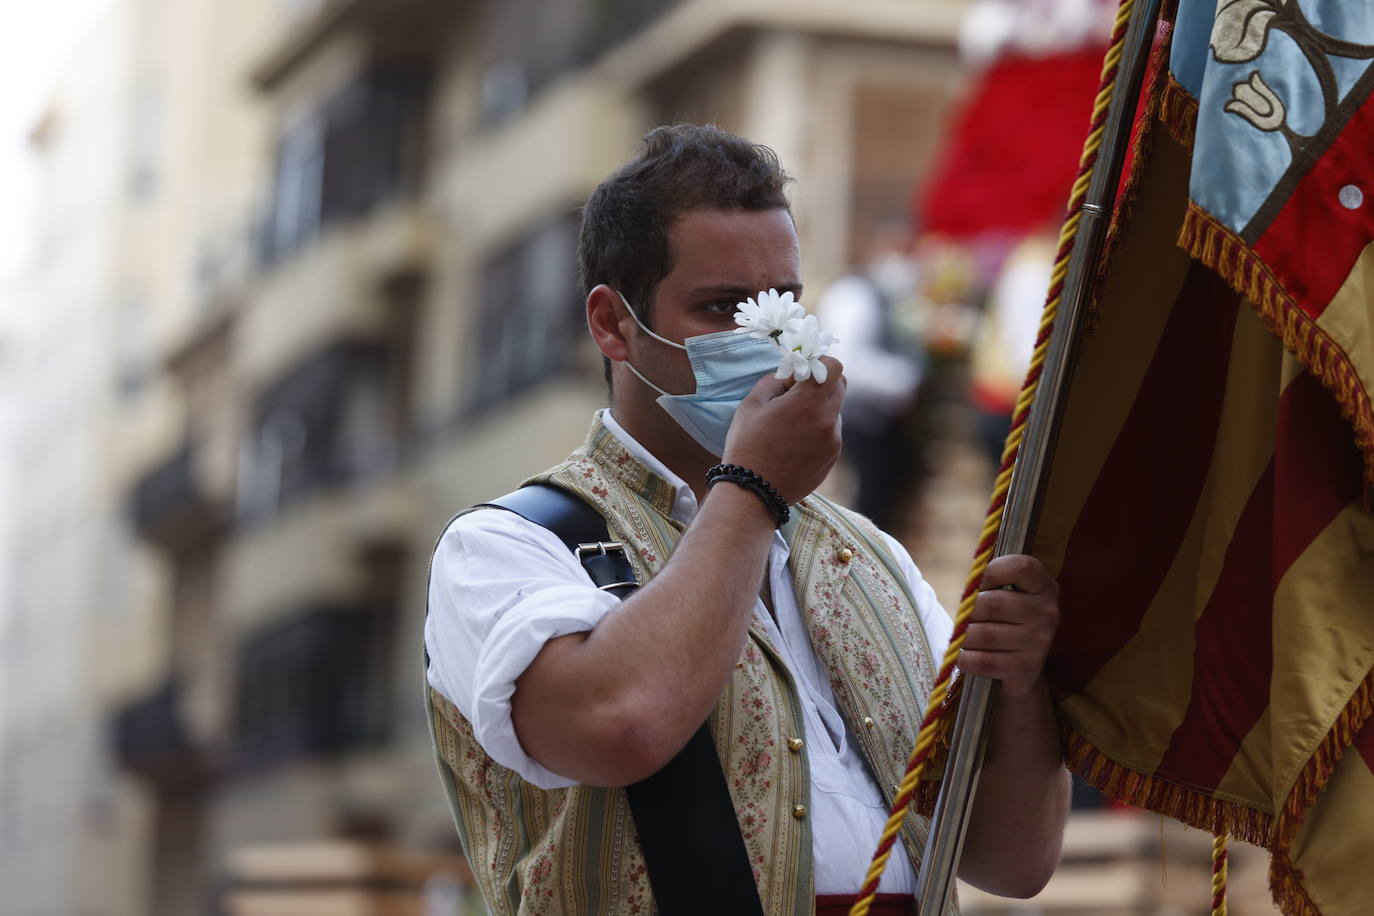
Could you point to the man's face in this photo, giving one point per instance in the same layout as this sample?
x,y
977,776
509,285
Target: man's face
x,y
719,258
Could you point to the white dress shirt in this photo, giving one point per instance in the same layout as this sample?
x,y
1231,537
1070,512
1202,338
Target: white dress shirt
x,y
879,383
501,587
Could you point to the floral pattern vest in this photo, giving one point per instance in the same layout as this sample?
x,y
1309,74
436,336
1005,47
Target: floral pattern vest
x,y
574,851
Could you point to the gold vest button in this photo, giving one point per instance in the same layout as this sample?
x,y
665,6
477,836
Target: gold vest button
x,y
795,744
844,555
868,721
799,811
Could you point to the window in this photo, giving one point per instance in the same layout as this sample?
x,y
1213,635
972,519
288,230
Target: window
x,y
146,137
311,684
273,463
505,89
530,318
890,146
315,427
135,362
296,200
342,158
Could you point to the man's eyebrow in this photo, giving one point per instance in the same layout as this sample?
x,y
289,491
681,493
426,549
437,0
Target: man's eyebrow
x,y
741,292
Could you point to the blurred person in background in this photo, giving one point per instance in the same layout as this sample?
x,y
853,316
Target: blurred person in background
x,y
946,299
1005,338
792,638
882,357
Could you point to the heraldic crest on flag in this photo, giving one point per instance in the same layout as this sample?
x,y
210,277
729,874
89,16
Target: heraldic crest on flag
x,y
1208,510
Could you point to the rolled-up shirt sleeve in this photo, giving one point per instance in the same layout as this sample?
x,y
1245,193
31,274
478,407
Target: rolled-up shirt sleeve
x,y
500,587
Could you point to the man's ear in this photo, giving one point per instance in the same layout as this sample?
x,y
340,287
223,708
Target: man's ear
x,y
609,322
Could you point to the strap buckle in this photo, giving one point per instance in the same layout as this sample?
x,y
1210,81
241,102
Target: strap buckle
x,y
601,547
605,549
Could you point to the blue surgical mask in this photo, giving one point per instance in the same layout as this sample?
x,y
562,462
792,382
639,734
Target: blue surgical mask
x,y
727,365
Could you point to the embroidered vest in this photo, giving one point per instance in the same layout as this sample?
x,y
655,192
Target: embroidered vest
x,y
573,851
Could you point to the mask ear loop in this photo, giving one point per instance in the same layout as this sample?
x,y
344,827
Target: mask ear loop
x,y
665,340
646,330
641,377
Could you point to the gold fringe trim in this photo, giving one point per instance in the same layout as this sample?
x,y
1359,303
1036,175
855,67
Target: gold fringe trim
x,y
1284,880
925,796
1178,112
1201,810
1206,239
1285,885
928,788
1153,793
1141,147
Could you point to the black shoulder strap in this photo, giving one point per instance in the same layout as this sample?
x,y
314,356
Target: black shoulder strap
x,y
580,527
566,514
686,821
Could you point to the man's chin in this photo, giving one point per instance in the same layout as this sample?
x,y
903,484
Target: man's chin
x,y
675,447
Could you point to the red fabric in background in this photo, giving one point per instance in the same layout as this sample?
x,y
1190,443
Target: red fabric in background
x,y
1013,148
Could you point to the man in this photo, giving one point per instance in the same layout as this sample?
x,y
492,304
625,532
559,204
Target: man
x,y
810,648
883,372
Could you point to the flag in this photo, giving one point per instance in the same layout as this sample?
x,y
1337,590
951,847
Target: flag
x,y
1208,509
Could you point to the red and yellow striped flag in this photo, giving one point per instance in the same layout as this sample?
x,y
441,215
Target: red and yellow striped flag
x,y
1208,513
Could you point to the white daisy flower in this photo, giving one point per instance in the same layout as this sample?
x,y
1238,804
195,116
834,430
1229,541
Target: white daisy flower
x,y
802,344
767,317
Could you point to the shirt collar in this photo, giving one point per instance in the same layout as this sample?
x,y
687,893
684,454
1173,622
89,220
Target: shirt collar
x,y
684,500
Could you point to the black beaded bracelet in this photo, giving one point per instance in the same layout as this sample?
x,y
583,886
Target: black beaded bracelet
x,y
746,478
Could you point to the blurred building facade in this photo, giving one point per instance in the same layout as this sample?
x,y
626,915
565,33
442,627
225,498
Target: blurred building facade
x,y
307,287
68,550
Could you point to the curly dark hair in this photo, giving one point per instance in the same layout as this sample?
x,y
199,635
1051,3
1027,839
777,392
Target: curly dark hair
x,y
680,168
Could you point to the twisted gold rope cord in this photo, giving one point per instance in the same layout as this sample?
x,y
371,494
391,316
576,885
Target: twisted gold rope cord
x,y
1219,860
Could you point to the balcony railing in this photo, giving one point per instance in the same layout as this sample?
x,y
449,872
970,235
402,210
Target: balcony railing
x,y
150,739
171,507
361,147
314,685
327,422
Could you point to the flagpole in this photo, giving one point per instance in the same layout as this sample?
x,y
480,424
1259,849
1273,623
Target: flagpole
x,y
971,727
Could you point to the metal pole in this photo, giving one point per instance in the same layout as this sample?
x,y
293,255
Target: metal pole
x,y
970,735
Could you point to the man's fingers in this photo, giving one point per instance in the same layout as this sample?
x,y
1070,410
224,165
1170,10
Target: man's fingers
x,y
1007,606
768,387
998,665
834,371
991,636
834,380
1025,574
